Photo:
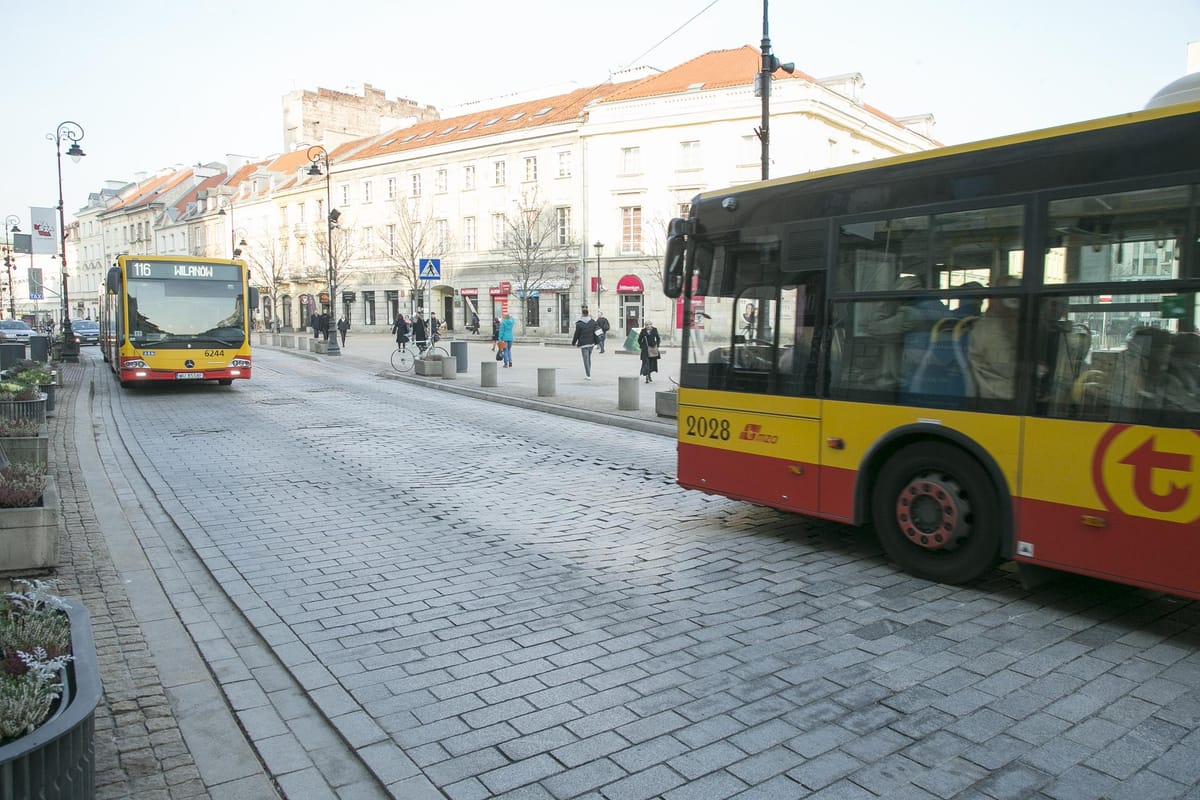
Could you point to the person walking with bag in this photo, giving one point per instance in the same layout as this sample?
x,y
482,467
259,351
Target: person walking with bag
x,y
400,328
648,341
504,337
585,340
601,330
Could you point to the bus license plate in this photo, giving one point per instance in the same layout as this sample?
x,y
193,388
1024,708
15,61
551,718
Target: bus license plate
x,y
184,376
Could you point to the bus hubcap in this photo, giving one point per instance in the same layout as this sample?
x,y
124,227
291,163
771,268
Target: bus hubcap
x,y
931,513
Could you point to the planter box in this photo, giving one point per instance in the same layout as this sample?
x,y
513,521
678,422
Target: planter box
x,y
27,449
430,367
33,409
29,536
666,404
57,761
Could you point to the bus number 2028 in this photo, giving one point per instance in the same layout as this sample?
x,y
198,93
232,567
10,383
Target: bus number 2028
x,y
708,427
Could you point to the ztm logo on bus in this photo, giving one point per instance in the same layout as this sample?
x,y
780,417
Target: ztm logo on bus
x,y
1149,474
753,433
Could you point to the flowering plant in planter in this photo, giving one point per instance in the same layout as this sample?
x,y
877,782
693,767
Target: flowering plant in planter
x,y
22,485
19,426
12,390
29,373
35,645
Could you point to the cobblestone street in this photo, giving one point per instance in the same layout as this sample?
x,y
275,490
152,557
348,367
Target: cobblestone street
x,y
410,593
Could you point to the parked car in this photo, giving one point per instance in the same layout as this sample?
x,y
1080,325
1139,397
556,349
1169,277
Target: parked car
x,y
14,330
86,331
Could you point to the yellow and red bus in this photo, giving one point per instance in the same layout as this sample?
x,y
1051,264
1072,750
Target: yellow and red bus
x,y
177,318
984,351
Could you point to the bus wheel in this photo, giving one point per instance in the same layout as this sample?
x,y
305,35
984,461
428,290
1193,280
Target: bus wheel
x,y
936,513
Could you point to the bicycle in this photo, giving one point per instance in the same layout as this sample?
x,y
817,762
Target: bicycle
x,y
404,358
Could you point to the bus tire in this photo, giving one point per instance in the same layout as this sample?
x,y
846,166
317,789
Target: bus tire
x,y
936,513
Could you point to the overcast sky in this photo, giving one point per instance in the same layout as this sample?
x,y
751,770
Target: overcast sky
x,y
156,83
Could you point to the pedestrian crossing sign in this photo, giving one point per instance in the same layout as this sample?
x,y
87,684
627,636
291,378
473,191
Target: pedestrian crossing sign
x,y
430,269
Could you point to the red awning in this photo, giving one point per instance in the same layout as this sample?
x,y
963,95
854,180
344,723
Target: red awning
x,y
630,284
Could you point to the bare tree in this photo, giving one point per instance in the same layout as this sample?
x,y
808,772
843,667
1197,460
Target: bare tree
x,y
335,260
268,264
418,235
535,248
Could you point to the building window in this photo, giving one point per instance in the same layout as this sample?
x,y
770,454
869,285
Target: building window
x,y
689,155
368,308
391,240
345,192
564,164
498,226
684,210
562,219
498,173
441,234
469,234
440,181
531,168
631,160
750,150
368,239
366,187
415,186
469,177
533,311
391,188
631,229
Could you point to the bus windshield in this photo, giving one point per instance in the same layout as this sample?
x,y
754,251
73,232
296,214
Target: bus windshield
x,y
165,312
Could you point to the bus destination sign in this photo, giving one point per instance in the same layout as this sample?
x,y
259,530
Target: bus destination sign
x,y
165,270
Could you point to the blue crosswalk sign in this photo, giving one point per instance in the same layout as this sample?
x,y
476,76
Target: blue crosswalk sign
x,y
430,269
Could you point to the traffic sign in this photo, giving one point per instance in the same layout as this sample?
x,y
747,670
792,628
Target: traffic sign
x,y
430,269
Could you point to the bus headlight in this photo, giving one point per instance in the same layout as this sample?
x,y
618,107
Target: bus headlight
x,y
240,362
134,363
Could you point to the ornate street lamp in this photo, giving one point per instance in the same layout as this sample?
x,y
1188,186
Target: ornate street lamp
x,y
73,132
10,225
599,246
317,156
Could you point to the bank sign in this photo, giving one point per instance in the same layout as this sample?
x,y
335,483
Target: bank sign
x,y
166,270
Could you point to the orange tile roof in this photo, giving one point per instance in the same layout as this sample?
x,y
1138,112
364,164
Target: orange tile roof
x,y
713,70
148,190
518,116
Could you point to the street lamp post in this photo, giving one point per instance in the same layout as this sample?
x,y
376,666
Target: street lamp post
x,y
770,65
317,156
73,132
599,246
10,225
234,252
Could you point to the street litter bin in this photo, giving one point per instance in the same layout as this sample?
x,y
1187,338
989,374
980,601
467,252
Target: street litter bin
x,y
459,351
11,353
39,347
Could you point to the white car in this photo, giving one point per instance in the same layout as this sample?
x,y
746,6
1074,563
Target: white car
x,y
14,330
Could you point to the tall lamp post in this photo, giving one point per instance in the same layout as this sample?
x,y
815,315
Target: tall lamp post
x,y
10,225
73,132
598,246
318,156
234,252
762,88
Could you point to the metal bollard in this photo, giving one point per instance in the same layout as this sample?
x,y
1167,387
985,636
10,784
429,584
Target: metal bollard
x,y
489,375
628,396
546,381
458,351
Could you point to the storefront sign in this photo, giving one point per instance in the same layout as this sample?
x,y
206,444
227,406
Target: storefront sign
x,y
473,292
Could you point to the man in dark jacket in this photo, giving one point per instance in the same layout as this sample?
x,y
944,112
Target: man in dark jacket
x,y
585,340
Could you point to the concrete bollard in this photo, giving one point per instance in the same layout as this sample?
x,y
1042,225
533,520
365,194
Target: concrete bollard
x,y
275,339
287,341
628,397
489,375
546,381
450,368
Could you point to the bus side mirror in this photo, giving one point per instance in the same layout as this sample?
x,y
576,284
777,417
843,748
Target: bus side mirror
x,y
673,264
253,299
112,282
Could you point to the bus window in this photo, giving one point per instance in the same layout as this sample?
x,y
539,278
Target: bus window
x,y
1130,236
979,245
